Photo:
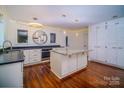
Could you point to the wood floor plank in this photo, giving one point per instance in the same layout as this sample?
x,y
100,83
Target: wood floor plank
x,y
40,76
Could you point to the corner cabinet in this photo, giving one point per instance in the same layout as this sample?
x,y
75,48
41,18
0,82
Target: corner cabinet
x,y
106,40
32,56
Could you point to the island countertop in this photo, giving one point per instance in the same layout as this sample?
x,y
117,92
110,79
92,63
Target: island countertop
x,y
11,57
65,51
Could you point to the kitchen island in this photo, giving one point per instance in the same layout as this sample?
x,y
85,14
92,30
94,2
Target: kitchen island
x,y
64,61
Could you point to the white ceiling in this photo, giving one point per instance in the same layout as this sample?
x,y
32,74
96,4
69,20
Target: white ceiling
x,y
52,15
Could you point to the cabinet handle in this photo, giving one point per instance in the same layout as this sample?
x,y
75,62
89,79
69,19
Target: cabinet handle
x,y
117,23
21,67
105,46
120,48
114,47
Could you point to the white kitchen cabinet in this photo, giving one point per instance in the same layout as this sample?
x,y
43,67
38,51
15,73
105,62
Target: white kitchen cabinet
x,y
112,43
97,43
109,45
63,64
11,75
72,60
32,56
81,61
120,48
35,55
69,64
92,43
100,42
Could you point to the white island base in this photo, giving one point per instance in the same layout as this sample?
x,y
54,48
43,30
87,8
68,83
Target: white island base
x,y
66,62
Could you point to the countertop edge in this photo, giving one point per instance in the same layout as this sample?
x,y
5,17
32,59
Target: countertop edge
x,y
7,63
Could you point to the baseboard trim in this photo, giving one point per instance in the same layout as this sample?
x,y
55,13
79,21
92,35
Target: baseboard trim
x,y
70,74
37,63
108,64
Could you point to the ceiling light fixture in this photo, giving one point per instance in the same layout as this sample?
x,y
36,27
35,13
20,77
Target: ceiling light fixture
x,y
77,34
76,20
64,32
115,16
35,24
35,18
63,15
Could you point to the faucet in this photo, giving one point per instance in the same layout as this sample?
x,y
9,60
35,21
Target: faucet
x,y
7,41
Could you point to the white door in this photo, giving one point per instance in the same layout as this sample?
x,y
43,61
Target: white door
x,y
120,52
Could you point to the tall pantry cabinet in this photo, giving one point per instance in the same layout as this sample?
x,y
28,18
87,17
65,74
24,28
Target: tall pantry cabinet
x,y
106,42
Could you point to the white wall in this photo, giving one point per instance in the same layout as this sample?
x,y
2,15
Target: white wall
x,y
78,39
11,34
11,27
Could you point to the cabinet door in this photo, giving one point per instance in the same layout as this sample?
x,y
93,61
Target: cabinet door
x,y
92,43
35,55
101,42
65,65
81,61
26,54
120,52
72,63
112,44
69,64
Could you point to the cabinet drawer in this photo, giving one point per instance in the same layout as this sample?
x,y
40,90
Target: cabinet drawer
x,y
35,60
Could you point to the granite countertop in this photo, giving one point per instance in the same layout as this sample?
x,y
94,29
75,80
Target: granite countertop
x,y
65,51
34,47
11,57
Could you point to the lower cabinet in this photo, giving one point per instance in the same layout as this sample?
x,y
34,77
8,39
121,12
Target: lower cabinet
x,y
11,75
68,65
32,56
81,61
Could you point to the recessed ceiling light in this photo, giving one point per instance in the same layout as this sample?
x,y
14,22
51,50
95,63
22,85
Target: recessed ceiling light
x,y
76,20
35,18
115,16
63,15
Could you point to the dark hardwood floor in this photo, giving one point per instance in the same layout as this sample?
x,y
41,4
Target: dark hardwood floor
x,y
96,75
